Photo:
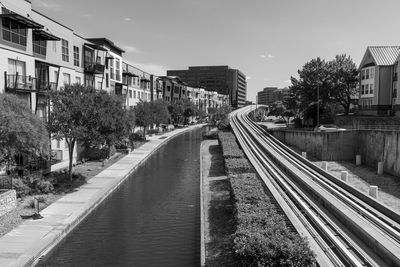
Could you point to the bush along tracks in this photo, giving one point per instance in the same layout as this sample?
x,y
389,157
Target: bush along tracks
x,y
263,237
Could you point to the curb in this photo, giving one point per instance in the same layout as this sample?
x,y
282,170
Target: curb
x,y
202,222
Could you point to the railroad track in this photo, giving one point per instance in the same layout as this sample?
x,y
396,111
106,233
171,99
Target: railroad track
x,y
344,226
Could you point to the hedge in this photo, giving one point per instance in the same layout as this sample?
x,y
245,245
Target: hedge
x,y
237,165
262,237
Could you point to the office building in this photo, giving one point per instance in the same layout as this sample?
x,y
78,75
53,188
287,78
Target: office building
x,y
221,79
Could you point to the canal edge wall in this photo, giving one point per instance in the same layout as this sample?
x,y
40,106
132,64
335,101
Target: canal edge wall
x,y
32,254
202,215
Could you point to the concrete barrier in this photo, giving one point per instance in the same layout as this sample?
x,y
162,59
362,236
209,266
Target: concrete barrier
x,y
373,191
343,176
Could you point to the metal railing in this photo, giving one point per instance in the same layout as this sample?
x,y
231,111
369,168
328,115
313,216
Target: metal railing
x,y
28,83
95,68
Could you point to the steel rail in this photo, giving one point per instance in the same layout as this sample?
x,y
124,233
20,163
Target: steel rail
x,y
251,131
387,225
340,253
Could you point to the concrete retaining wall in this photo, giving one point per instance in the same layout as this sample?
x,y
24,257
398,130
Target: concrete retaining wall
x,y
324,146
8,201
372,145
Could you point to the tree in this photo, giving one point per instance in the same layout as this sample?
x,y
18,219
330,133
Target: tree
x,y
221,116
144,116
110,120
176,110
189,109
160,113
21,132
71,117
344,78
281,112
314,77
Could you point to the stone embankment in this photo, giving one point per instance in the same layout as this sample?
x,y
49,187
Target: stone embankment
x,y
8,201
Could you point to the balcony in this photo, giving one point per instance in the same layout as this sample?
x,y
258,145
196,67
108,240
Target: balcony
x,y
45,86
19,83
94,68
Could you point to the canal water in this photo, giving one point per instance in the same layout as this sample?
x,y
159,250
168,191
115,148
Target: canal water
x,y
152,219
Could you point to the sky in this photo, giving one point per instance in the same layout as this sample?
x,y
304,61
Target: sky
x,y
268,40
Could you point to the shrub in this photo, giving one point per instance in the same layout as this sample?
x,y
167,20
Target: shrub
x,y
21,187
212,134
237,165
262,237
43,187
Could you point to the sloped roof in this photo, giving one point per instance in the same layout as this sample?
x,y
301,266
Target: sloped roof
x,y
384,55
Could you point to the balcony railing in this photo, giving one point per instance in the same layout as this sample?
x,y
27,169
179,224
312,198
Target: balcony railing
x,y
43,85
21,83
94,68
28,83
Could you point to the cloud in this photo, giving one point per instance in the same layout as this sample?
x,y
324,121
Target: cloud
x,y
131,49
152,68
267,56
47,4
248,78
288,81
127,19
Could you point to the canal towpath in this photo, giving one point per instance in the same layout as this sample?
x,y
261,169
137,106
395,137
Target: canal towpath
x,y
32,239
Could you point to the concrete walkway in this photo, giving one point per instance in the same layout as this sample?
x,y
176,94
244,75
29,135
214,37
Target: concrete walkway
x,y
31,240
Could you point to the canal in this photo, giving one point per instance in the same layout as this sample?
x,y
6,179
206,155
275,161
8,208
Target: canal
x,y
152,219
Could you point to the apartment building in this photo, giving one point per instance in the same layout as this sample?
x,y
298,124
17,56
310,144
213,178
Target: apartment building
x,y
139,84
378,81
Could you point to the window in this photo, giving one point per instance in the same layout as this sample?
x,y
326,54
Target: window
x,y
67,78
14,32
366,88
367,74
55,76
76,56
371,73
394,90
111,69
16,66
130,93
362,74
64,50
134,94
107,79
371,88
39,45
78,80
117,70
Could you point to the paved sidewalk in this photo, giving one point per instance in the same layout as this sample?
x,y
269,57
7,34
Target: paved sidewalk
x,y
24,245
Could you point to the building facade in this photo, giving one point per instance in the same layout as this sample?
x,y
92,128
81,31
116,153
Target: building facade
x,y
378,93
267,96
39,54
221,79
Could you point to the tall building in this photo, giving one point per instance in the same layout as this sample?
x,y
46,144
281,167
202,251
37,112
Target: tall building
x,y
221,79
267,96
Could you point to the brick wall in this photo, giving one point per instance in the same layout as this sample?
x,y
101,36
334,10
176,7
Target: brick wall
x,y
8,201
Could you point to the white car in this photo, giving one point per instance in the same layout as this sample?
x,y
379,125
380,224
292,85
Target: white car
x,y
329,128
